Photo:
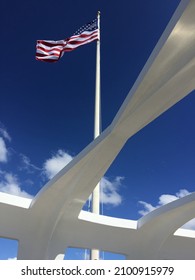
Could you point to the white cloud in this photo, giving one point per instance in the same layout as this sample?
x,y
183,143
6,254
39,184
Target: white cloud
x,y
109,193
9,184
164,199
3,151
4,133
53,165
147,208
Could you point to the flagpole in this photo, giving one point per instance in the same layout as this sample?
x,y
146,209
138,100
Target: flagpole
x,y
97,127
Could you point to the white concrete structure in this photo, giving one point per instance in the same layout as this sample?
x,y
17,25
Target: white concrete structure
x,y
53,220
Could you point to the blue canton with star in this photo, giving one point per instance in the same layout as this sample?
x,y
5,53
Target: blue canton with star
x,y
93,25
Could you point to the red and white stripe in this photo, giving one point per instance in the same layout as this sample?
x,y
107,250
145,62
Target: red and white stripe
x,y
52,51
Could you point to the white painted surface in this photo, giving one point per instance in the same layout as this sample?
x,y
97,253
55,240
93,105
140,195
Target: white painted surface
x,y
50,223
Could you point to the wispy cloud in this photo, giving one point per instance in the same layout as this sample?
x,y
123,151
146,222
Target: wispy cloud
x,y
164,199
4,133
147,208
4,136
27,165
3,151
9,184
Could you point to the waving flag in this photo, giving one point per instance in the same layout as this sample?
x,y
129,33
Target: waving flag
x,y
52,51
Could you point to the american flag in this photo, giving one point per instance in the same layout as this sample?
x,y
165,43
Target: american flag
x,y
52,51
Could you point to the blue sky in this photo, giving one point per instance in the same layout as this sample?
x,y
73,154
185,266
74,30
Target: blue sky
x,y
47,110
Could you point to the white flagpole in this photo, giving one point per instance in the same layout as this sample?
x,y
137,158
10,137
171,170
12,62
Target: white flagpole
x,y
97,127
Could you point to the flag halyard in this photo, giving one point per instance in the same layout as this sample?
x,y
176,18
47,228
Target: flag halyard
x,y
52,51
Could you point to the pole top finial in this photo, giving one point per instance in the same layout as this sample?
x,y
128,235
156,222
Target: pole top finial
x,y
98,13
